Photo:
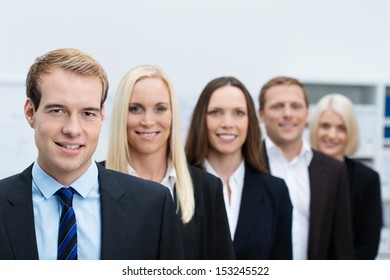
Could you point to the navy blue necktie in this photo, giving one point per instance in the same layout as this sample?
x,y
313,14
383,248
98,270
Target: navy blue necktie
x,y
67,233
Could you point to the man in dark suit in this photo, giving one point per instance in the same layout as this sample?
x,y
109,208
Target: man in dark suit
x,y
317,184
65,205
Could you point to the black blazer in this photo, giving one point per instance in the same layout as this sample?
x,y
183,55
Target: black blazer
x,y
330,226
138,218
366,203
207,235
264,225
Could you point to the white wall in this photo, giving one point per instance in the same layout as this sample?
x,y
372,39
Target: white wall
x,y
194,42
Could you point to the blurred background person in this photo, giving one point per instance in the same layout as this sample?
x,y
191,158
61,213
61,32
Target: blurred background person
x,y
317,183
334,131
146,141
224,138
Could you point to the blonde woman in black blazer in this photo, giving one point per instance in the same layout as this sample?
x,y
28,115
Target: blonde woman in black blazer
x,y
146,141
334,131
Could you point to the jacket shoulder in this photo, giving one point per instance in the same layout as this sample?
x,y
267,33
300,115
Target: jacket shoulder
x,y
6,184
129,183
329,162
17,179
274,185
204,181
361,174
360,167
271,182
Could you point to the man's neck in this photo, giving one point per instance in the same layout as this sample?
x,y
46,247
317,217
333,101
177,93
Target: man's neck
x,y
290,150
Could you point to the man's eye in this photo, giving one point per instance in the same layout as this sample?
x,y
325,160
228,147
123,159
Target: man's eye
x,y
277,106
296,106
56,111
89,114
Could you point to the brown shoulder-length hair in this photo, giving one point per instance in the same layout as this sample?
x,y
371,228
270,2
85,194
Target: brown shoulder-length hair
x,y
197,144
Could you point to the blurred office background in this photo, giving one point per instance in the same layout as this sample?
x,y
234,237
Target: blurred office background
x,y
332,46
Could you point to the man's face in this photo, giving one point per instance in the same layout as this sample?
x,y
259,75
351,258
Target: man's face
x,y
67,123
285,114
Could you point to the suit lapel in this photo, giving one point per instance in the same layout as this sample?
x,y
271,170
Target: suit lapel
x,y
114,216
318,196
250,207
19,220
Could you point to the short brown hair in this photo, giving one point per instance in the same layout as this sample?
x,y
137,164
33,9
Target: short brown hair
x,y
197,144
67,59
279,81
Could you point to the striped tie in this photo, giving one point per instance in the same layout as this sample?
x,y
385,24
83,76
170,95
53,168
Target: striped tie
x,y
67,233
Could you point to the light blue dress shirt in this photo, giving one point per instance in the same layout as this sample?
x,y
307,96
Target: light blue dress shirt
x,y
47,212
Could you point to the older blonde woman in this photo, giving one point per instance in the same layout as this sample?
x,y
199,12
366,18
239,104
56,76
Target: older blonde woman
x,y
334,131
146,141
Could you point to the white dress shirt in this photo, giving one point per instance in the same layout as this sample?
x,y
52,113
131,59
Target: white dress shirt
x,y
296,175
47,212
168,181
236,184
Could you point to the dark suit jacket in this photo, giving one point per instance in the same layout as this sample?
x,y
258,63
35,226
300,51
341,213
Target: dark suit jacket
x,y
138,218
264,225
365,191
330,226
207,235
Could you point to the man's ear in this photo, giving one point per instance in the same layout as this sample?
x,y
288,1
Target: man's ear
x,y
29,112
261,115
103,113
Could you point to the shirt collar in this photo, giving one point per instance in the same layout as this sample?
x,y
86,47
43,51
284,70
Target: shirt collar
x,y
169,179
237,176
48,186
306,152
209,168
170,174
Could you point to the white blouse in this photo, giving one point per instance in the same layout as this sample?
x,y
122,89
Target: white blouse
x,y
236,184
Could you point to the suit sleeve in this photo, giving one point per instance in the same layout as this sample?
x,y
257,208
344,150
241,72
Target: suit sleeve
x,y
367,234
171,247
342,238
224,246
282,248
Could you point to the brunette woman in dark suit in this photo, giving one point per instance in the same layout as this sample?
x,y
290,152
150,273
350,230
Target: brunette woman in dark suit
x,y
224,138
334,131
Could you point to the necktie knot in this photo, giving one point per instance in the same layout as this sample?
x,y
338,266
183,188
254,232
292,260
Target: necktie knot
x,y
66,196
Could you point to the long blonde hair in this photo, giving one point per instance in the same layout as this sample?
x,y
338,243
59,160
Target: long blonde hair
x,y
119,156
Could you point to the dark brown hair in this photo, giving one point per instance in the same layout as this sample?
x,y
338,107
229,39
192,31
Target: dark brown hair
x,y
197,144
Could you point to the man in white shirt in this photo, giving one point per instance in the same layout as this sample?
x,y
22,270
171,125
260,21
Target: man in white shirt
x,y
317,184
